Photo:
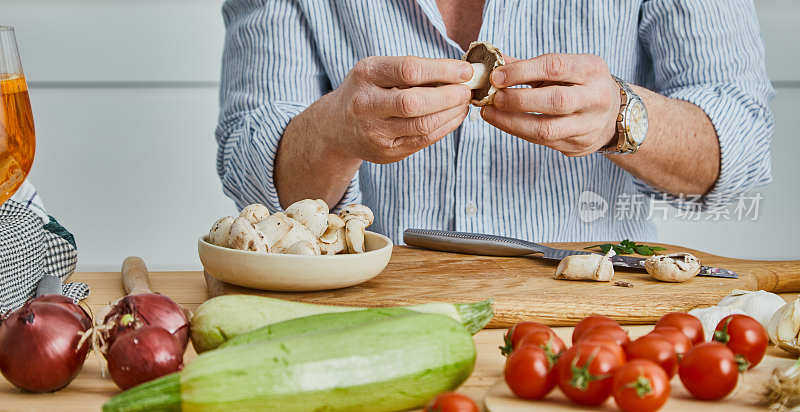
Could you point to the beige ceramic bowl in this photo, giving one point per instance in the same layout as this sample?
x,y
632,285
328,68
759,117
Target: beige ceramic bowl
x,y
295,273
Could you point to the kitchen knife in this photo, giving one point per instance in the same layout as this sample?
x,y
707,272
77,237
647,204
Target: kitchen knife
x,y
491,245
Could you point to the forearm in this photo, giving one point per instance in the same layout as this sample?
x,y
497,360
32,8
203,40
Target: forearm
x,y
308,166
681,154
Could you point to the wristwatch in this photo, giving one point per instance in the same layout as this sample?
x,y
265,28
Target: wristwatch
x,y
631,121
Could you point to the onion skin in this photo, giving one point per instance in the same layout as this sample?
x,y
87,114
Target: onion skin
x,y
39,345
68,304
147,309
142,355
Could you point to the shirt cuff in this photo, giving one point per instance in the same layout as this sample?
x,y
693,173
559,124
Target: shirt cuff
x,y
744,130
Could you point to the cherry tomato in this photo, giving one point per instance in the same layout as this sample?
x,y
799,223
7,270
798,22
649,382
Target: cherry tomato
x,y
640,386
530,372
519,331
451,402
679,341
709,371
657,349
745,337
607,342
614,332
586,372
686,323
545,339
588,323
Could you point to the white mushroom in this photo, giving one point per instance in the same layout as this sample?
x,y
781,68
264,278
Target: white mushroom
x,y
586,267
296,233
313,213
356,219
302,247
220,231
254,213
675,267
274,227
485,57
244,236
333,240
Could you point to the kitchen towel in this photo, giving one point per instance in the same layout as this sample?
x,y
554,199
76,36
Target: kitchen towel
x,y
30,249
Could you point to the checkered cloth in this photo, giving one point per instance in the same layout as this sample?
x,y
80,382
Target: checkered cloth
x,y
30,249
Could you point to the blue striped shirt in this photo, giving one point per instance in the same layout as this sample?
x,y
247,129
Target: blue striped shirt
x,y
282,55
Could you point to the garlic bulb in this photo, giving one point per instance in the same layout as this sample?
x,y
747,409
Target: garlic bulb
x,y
760,305
710,317
784,327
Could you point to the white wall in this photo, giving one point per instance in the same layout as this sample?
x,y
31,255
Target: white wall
x,y
125,101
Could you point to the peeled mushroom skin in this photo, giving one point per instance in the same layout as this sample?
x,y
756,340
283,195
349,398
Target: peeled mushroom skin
x,y
219,233
244,236
490,57
312,213
675,267
254,213
585,267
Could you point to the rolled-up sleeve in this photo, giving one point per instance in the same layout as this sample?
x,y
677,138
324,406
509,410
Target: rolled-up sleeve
x,y
271,72
710,53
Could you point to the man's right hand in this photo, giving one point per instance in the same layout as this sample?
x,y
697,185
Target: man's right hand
x,y
391,107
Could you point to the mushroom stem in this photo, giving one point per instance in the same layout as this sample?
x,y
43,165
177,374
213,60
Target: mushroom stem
x,y
480,76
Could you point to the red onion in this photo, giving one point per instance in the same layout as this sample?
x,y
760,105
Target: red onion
x,y
39,349
146,309
142,355
68,304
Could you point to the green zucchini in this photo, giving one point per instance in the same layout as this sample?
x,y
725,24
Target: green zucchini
x,y
225,317
394,363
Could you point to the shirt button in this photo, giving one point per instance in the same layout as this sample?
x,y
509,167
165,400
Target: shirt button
x,y
472,210
475,114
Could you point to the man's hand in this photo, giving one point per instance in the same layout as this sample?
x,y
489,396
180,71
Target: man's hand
x,y
575,94
388,108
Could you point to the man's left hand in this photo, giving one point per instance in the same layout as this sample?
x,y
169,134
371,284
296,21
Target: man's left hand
x,y
571,105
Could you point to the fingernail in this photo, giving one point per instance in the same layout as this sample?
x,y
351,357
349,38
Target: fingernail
x,y
498,77
466,73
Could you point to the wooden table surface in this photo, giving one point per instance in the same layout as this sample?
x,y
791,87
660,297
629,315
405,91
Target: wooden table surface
x,y
89,390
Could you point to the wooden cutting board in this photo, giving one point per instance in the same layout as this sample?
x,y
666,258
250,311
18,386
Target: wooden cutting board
x,y
523,288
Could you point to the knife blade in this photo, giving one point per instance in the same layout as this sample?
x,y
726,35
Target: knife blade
x,y
493,245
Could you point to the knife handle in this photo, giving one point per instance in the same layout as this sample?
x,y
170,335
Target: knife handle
x,y
135,277
468,243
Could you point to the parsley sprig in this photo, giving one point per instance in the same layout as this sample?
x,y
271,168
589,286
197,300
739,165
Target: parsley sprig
x,y
628,247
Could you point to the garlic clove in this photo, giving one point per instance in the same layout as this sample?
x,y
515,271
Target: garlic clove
x,y
760,305
784,327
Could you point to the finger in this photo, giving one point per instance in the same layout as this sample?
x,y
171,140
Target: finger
x,y
421,101
556,100
564,68
423,125
413,144
540,129
409,71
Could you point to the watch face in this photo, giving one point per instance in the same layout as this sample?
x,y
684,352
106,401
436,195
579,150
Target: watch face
x,y
636,119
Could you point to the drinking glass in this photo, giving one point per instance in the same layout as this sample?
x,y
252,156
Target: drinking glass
x,y
17,136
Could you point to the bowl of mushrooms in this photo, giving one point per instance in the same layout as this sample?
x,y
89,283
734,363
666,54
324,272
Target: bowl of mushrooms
x,y
304,248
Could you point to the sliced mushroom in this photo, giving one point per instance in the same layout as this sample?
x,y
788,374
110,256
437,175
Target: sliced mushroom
x,y
333,240
586,267
297,232
313,213
244,236
485,57
275,227
302,247
675,267
220,231
356,219
254,213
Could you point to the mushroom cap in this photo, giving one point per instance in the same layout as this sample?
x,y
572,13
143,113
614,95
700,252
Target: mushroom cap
x,y
220,231
275,227
244,236
313,213
335,247
487,54
254,213
675,267
335,224
355,210
297,233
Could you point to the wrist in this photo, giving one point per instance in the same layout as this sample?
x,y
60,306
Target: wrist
x,y
324,136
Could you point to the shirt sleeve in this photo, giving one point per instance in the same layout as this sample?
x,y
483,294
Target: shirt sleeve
x,y
710,53
271,72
